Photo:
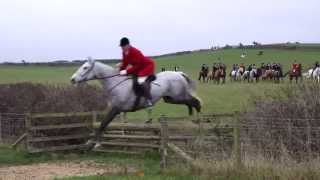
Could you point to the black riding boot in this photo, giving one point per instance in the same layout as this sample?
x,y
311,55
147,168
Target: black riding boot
x,y
146,92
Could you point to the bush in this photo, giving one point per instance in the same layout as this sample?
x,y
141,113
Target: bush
x,y
39,98
285,122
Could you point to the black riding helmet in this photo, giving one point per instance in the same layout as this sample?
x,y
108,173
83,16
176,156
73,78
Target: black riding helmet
x,y
124,41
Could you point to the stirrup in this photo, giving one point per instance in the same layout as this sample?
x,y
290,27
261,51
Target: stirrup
x,y
149,103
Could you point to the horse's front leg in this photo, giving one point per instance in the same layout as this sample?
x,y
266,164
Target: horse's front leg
x,y
110,116
149,114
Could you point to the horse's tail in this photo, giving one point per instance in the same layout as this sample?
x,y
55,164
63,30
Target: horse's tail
x,y
192,87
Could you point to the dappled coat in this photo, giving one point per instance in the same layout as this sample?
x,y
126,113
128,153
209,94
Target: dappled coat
x,y
140,65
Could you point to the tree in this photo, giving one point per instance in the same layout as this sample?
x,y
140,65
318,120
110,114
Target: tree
x,y
241,46
23,62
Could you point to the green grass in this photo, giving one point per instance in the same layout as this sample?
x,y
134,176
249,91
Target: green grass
x,y
148,163
148,177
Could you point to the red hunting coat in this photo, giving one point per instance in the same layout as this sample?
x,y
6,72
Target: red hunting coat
x,y
295,67
140,65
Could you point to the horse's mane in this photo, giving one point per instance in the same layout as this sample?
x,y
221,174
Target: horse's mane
x,y
105,66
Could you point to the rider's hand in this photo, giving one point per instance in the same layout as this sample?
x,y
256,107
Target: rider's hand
x,y
123,72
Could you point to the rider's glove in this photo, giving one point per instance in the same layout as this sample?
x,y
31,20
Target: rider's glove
x,y
123,72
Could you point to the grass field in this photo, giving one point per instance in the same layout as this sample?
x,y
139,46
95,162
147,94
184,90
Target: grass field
x,y
148,163
217,98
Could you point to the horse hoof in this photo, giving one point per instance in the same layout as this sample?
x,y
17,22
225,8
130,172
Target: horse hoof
x,y
148,121
97,145
89,142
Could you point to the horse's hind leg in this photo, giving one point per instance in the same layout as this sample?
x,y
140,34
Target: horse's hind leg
x,y
190,103
190,110
195,103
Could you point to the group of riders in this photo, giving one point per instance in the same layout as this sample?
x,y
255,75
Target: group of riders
x,y
217,73
271,71
265,71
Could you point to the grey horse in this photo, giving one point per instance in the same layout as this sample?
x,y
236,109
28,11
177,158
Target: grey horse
x,y
172,87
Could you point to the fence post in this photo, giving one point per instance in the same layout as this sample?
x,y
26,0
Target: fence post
x,y
236,141
28,118
1,140
164,141
94,119
309,141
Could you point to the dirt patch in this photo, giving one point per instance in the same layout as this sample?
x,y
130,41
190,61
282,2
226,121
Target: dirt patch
x,y
49,171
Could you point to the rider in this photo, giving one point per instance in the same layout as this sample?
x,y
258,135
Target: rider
x,y
243,68
214,67
295,66
234,67
237,67
254,66
222,68
250,67
316,64
268,66
203,67
142,69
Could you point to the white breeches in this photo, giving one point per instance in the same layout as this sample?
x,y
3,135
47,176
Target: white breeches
x,y
141,80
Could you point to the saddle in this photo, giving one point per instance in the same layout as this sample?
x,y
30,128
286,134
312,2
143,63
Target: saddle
x,y
142,90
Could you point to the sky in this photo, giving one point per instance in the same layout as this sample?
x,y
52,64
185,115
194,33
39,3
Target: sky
x,y
48,30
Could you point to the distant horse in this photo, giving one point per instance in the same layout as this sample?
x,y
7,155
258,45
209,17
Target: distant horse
x,y
268,74
172,87
210,76
316,74
203,74
294,74
233,75
276,74
255,75
308,74
220,74
245,75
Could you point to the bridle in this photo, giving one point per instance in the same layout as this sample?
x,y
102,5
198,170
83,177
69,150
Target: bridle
x,y
96,77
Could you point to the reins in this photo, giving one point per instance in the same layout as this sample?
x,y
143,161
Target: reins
x,y
107,77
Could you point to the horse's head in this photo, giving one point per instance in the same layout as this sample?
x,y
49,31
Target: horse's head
x,y
85,72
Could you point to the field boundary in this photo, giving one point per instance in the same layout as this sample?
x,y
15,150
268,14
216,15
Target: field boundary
x,y
54,132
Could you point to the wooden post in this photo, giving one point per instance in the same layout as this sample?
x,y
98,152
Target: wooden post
x,y
18,141
184,156
164,141
237,143
1,140
94,119
309,141
28,119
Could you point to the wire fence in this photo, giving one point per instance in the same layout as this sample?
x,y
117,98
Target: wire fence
x,y
273,137
11,126
276,137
